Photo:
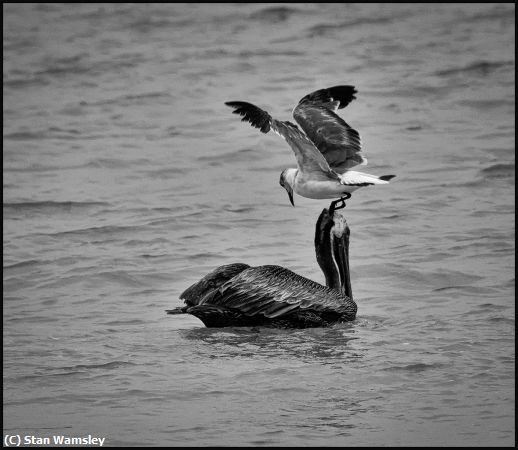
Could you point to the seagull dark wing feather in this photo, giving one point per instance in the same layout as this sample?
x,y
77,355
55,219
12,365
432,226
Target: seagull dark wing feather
x,y
335,139
332,98
251,113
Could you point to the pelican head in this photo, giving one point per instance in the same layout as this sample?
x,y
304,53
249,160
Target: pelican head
x,y
332,250
287,181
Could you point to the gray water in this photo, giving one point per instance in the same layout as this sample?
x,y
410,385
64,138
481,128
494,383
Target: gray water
x,y
126,179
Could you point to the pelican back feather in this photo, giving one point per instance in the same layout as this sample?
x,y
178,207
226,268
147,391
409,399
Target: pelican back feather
x,y
195,294
274,292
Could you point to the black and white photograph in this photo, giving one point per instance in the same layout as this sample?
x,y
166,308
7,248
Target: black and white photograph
x,y
259,224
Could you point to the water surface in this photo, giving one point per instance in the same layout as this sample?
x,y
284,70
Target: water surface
x,y
126,179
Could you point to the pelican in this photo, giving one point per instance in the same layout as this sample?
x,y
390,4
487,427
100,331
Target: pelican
x,y
326,148
240,295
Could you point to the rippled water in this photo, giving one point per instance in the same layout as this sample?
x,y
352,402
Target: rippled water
x,y
126,179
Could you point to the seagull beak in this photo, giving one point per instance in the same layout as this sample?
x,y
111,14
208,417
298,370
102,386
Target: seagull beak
x,y
290,195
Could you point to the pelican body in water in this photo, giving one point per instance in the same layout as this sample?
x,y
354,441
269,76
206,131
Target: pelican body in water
x,y
240,295
326,148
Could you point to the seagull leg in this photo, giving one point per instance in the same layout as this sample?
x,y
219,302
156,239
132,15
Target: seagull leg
x,y
332,207
341,200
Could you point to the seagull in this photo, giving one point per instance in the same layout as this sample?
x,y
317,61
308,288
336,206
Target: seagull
x,y
326,148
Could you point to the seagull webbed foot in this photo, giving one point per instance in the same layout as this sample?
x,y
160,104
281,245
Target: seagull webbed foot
x,y
339,204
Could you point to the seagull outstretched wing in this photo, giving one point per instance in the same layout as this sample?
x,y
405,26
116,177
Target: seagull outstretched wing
x,y
337,141
309,159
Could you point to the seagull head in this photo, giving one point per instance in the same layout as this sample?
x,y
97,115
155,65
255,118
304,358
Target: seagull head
x,y
287,181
